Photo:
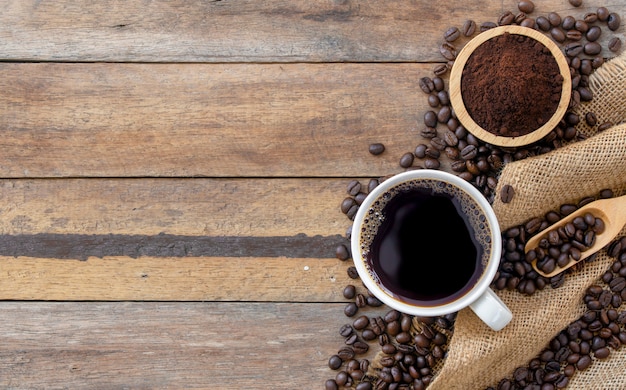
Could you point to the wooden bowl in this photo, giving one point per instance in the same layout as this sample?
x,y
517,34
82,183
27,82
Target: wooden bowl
x,y
464,117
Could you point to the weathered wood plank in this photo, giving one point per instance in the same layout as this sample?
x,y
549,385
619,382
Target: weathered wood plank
x,y
172,239
231,31
174,279
71,120
236,207
245,31
168,345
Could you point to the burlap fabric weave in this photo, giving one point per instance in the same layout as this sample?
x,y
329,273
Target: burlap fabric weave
x,y
479,357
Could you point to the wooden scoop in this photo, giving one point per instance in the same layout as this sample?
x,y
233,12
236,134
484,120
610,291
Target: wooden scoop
x,y
612,211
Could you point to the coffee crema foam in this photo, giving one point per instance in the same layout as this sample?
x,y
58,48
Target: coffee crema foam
x,y
477,219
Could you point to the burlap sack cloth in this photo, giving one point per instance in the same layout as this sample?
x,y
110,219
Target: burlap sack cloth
x,y
479,357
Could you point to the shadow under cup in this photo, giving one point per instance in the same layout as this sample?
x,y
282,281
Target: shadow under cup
x,y
426,243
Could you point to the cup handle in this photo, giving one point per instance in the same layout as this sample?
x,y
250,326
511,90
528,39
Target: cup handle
x,y
490,308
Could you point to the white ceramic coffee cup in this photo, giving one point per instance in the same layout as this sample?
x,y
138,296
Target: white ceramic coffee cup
x,y
480,298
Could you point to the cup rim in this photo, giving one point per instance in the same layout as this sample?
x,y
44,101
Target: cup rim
x,y
463,301
456,99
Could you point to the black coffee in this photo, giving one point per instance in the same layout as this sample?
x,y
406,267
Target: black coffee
x,y
426,249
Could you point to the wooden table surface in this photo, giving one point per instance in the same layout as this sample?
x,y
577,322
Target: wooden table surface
x,y
171,175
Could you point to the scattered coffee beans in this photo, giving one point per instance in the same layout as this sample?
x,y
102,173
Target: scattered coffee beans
x,y
560,246
410,363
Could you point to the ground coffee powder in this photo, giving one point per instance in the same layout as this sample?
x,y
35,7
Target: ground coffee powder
x,y
511,85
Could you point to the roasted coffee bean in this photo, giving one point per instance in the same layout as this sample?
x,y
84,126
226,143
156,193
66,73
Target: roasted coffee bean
x,y
346,330
433,101
533,225
346,204
603,14
452,34
426,85
359,198
528,22
437,143
444,98
487,26
351,309
506,18
335,362
590,17
568,22
576,3
364,386
331,385
573,49
554,19
592,48
543,23
407,160
428,132
613,21
354,187
585,94
526,6
450,138
602,353
430,119
373,183
360,301
574,35
615,44
420,150
342,252
343,378
349,291
431,163
346,353
376,148
368,335
557,34
469,152
586,67
440,70
458,166
361,322
593,34
605,126
352,272
372,301
444,114
448,51
360,347
506,193
617,284
520,17
581,26
469,27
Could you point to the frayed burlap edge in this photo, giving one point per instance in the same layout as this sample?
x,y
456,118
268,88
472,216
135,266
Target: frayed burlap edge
x,y
478,357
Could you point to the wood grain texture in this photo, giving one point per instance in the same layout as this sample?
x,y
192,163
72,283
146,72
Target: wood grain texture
x,y
227,120
240,215
168,345
231,31
246,279
192,207
246,31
